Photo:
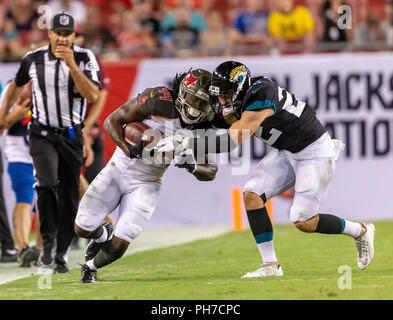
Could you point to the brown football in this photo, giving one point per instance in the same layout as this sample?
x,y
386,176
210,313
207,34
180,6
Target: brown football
x,y
134,131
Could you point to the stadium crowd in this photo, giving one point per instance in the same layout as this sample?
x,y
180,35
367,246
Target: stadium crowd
x,y
127,29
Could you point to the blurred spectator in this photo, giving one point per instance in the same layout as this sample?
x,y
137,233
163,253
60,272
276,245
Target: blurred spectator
x,y
200,5
388,11
181,32
97,37
134,40
144,12
23,14
75,8
140,30
11,48
151,27
215,41
373,34
250,25
291,23
196,21
3,13
331,32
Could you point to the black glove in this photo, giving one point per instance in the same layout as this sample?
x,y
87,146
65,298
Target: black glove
x,y
136,151
187,161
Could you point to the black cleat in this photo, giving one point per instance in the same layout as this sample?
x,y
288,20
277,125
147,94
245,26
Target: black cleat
x,y
88,275
28,256
9,255
93,247
47,256
61,268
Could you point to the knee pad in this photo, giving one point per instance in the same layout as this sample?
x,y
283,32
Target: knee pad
x,y
251,186
303,208
128,231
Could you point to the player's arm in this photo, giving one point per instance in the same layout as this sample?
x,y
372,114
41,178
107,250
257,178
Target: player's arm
x,y
12,94
19,112
15,89
238,132
95,110
248,124
113,124
205,171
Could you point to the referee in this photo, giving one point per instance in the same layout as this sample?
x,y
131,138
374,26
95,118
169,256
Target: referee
x,y
64,76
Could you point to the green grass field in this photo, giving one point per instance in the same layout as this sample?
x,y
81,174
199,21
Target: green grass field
x,y
211,269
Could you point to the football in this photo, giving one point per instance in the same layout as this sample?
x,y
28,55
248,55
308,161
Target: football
x,y
134,131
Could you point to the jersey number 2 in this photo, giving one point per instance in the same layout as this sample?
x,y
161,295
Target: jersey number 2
x,y
274,134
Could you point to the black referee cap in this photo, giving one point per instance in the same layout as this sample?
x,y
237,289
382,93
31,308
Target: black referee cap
x,y
63,21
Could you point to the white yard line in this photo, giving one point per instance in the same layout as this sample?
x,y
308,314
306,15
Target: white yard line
x,y
149,239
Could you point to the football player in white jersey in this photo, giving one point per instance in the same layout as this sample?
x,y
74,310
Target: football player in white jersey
x,y
303,155
128,182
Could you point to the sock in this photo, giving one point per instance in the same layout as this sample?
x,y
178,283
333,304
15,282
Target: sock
x,y
352,228
103,237
107,254
91,265
331,224
262,230
267,252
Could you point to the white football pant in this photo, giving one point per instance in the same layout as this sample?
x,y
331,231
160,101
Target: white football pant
x,y
309,170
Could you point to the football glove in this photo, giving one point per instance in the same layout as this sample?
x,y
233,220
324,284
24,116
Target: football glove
x,y
137,150
176,143
186,160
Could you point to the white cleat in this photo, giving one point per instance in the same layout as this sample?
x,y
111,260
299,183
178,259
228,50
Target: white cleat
x,y
266,270
365,245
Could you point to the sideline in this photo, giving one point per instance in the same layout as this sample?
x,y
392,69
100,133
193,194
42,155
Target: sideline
x,y
152,238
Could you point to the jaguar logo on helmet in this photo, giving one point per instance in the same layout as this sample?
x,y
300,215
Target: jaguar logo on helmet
x,y
237,72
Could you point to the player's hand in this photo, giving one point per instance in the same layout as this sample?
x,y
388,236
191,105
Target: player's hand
x,y
186,160
229,116
88,154
137,150
176,143
65,53
21,111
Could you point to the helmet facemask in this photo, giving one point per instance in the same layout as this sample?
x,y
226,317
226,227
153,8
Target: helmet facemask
x,y
228,87
193,102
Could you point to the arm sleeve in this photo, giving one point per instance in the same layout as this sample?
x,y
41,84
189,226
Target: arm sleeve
x,y
22,76
157,101
212,143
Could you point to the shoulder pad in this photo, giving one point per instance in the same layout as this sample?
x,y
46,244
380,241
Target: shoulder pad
x,y
157,101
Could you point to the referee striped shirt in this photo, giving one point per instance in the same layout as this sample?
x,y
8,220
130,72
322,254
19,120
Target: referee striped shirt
x,y
56,101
